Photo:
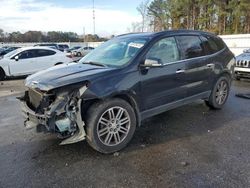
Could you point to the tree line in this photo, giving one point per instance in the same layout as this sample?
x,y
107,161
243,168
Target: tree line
x,y
51,36
220,17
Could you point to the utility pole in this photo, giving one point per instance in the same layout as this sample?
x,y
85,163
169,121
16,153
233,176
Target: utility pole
x,y
93,17
84,35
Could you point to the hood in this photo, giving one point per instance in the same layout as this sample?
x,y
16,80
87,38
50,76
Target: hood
x,y
244,56
64,74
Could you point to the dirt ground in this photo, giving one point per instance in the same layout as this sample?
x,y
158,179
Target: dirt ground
x,y
191,146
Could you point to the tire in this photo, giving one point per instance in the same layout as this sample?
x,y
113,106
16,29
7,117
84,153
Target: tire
x,y
103,133
79,54
219,94
2,74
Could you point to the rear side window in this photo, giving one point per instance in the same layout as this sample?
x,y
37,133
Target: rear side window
x,y
164,50
212,44
41,53
191,46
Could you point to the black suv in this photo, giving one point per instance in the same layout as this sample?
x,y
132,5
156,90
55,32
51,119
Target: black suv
x,y
105,96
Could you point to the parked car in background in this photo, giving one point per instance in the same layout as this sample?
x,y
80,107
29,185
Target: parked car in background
x,y
7,50
71,49
63,47
60,47
105,96
242,65
28,60
82,51
50,45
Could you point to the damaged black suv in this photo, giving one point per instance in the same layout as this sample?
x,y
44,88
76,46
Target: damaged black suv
x,y
105,96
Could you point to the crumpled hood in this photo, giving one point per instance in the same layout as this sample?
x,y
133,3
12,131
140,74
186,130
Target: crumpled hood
x,y
62,75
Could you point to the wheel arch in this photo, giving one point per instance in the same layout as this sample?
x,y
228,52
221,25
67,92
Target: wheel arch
x,y
126,97
59,63
2,72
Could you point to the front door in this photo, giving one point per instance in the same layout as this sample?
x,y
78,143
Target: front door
x,y
165,84
24,65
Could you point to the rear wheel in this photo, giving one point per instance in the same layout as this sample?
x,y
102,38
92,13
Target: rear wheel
x,y
219,94
2,74
79,54
110,125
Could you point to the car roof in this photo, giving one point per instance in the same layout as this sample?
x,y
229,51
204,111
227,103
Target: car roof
x,y
39,47
161,33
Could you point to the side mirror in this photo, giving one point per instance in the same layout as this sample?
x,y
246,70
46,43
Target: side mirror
x,y
152,63
16,58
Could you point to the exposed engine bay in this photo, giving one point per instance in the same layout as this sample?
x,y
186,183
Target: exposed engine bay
x,y
57,111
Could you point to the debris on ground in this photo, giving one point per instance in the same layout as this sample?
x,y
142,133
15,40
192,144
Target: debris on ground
x,y
116,154
242,95
184,163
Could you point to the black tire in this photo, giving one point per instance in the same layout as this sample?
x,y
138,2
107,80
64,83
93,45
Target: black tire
x,y
2,74
214,101
79,54
93,123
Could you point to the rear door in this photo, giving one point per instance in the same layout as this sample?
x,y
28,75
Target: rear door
x,y
166,84
45,58
198,67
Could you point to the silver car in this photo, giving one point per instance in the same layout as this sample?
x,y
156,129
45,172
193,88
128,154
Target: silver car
x,y
242,66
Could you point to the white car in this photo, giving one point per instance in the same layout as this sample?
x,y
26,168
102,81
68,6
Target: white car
x,y
242,66
28,60
82,51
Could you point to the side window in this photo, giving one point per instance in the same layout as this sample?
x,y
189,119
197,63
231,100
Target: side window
x,y
27,54
165,50
219,43
212,45
191,46
85,48
42,53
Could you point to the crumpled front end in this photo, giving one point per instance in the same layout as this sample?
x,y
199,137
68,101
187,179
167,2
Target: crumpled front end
x,y
57,111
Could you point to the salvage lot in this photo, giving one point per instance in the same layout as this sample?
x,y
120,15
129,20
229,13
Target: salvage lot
x,y
190,146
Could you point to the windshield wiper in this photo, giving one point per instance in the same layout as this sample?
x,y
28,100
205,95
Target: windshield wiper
x,y
95,63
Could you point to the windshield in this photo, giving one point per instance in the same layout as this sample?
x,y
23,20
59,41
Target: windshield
x,y
115,52
13,52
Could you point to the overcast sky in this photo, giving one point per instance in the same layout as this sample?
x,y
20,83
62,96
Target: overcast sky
x,y
112,16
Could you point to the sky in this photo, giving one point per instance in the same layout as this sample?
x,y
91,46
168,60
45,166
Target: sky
x,y
112,16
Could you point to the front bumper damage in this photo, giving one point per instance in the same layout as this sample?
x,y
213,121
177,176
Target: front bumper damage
x,y
62,116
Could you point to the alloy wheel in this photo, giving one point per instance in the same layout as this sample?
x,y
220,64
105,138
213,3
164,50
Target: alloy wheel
x,y
221,92
113,126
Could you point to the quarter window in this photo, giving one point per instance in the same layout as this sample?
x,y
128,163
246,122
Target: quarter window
x,y
191,46
164,50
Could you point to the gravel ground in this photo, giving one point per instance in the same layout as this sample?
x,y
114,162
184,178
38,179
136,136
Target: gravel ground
x,y
190,146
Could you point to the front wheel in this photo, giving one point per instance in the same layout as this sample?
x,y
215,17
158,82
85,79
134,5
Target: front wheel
x,y
110,125
219,94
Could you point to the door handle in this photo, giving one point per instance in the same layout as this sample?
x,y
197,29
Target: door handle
x,y
211,65
180,71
